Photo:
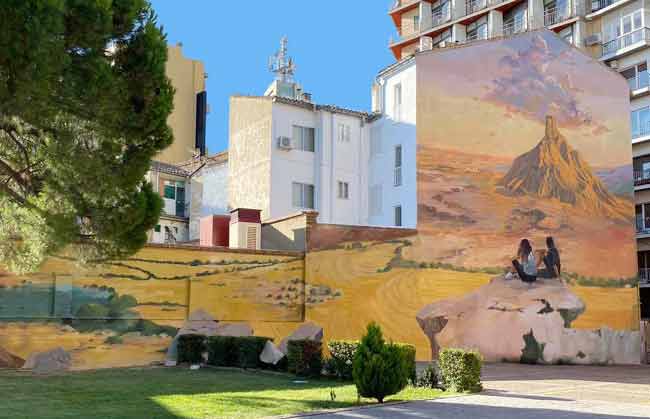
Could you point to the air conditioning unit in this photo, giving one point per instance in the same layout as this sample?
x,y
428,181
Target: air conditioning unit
x,y
442,44
613,64
284,143
426,43
592,39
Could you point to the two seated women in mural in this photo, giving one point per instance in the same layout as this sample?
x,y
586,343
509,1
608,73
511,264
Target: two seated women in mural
x,y
526,265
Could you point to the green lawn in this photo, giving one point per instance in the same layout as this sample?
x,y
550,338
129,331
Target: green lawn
x,y
173,393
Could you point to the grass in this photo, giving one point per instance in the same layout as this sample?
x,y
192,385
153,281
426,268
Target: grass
x,y
166,393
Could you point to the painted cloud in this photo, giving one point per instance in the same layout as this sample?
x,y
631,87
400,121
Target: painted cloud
x,y
525,86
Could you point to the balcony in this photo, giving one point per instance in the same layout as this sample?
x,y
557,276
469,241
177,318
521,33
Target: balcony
x,y
441,16
472,6
625,43
398,4
644,276
476,36
514,26
554,15
642,177
600,4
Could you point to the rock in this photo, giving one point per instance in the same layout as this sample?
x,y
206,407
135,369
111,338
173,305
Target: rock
x,y
305,331
509,320
199,322
48,362
68,329
234,329
271,354
9,360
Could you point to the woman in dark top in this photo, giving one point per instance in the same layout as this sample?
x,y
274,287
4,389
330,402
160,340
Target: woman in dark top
x,y
552,260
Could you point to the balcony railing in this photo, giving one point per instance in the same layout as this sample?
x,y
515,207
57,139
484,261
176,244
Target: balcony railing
x,y
441,16
554,15
600,4
641,177
514,26
472,6
642,131
627,40
644,276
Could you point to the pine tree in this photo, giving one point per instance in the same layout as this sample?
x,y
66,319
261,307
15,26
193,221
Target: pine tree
x,y
84,101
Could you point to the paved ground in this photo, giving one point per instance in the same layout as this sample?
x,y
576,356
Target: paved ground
x,y
535,392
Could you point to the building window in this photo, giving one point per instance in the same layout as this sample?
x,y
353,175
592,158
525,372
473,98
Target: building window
x,y
304,138
398,215
640,121
157,228
416,23
344,190
397,99
175,190
623,32
344,133
303,195
441,38
170,190
637,76
441,10
397,181
375,200
477,30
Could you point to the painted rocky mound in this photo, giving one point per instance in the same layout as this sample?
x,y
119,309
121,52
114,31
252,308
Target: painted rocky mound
x,y
553,169
509,320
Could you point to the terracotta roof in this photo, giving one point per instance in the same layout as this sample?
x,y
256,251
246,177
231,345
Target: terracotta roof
x,y
170,169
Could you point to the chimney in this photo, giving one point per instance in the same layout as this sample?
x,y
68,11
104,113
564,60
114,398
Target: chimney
x,y
245,229
551,127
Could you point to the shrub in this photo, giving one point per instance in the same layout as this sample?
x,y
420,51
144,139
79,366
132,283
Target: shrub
x,y
250,348
408,352
428,378
460,370
379,369
191,348
305,357
231,351
342,356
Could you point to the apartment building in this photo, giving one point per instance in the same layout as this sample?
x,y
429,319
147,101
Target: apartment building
x,y
188,118
288,154
171,182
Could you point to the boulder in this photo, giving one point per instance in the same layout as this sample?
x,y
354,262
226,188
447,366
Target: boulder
x,y
48,362
271,354
199,322
509,320
310,331
9,360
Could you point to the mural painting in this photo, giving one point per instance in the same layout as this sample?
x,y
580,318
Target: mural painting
x,y
528,142
127,312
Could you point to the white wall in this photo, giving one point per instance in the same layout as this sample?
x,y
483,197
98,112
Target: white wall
x,y
332,161
385,134
209,195
179,230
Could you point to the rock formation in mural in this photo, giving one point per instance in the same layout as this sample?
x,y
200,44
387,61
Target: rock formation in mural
x,y
509,320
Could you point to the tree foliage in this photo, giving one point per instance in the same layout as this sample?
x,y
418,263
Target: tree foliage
x,y
84,101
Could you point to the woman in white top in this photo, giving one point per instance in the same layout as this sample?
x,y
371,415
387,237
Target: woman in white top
x,y
525,264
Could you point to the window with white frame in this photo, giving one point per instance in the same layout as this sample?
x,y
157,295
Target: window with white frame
x,y
397,180
478,29
416,23
441,10
443,36
640,121
344,133
375,141
304,138
627,27
302,195
343,190
636,76
397,102
397,212
375,200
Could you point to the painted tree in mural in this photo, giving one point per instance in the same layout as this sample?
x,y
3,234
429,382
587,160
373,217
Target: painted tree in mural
x,y
84,102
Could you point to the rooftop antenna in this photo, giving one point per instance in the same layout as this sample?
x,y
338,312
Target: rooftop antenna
x,y
281,64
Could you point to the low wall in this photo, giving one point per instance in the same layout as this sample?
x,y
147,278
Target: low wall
x,y
126,312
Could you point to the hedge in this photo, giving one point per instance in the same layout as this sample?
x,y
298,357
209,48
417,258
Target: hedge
x,y
236,351
460,370
191,348
305,357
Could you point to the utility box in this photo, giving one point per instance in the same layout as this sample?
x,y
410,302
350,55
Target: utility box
x,y
215,231
245,228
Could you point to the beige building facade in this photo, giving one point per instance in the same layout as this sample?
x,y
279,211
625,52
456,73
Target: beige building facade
x,y
187,119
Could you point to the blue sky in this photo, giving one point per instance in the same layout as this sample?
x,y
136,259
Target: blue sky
x,y
338,46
